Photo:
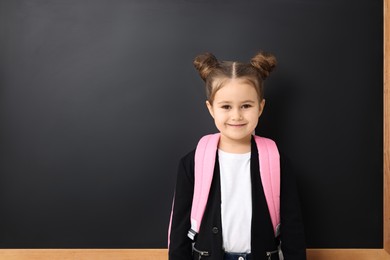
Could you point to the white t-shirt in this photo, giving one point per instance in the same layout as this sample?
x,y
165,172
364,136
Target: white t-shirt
x,y
236,204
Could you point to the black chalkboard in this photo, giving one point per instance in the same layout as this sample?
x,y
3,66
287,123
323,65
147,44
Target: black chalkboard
x,y
99,100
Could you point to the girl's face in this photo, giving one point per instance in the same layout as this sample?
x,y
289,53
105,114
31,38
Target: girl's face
x,y
236,110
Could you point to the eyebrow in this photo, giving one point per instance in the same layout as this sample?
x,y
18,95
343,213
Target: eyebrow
x,y
228,102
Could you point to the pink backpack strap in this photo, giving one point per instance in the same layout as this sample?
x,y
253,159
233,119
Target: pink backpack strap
x,y
269,160
204,169
205,155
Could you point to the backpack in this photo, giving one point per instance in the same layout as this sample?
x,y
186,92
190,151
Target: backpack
x,y
205,156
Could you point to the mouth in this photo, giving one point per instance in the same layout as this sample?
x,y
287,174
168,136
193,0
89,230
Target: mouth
x,y
236,125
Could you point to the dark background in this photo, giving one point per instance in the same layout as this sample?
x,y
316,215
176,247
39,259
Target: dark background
x,y
99,100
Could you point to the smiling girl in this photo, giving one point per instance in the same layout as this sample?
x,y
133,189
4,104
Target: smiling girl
x,y
246,206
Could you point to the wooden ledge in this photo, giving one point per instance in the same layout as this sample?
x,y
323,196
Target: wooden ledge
x,y
161,254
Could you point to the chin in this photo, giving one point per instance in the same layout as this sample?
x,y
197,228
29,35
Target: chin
x,y
239,137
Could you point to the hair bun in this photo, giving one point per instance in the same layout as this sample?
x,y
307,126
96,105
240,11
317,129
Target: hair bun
x,y
205,63
264,63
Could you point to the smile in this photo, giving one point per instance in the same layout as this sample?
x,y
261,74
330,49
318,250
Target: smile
x,y
236,125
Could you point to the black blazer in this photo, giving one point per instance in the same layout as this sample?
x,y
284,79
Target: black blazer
x,y
209,238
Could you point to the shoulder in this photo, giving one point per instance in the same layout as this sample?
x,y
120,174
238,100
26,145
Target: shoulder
x,y
288,177
187,164
284,161
286,166
189,158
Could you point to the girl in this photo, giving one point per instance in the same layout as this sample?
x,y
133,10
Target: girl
x,y
239,221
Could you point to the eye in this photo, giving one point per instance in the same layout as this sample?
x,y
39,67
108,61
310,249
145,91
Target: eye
x,y
225,107
246,106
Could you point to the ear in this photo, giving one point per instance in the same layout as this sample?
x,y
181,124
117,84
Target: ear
x,y
261,107
210,108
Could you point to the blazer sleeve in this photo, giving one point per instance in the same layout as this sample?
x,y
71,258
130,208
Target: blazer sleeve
x,y
292,229
180,247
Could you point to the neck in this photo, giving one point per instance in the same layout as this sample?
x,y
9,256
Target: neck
x,y
235,146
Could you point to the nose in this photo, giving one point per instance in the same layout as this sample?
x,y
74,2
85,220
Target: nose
x,y
236,115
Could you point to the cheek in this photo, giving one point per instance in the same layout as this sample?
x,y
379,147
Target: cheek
x,y
220,118
255,117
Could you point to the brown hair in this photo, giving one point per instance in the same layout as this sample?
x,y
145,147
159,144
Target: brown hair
x,y
215,72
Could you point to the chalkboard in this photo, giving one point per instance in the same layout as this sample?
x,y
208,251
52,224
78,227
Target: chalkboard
x,y
99,100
